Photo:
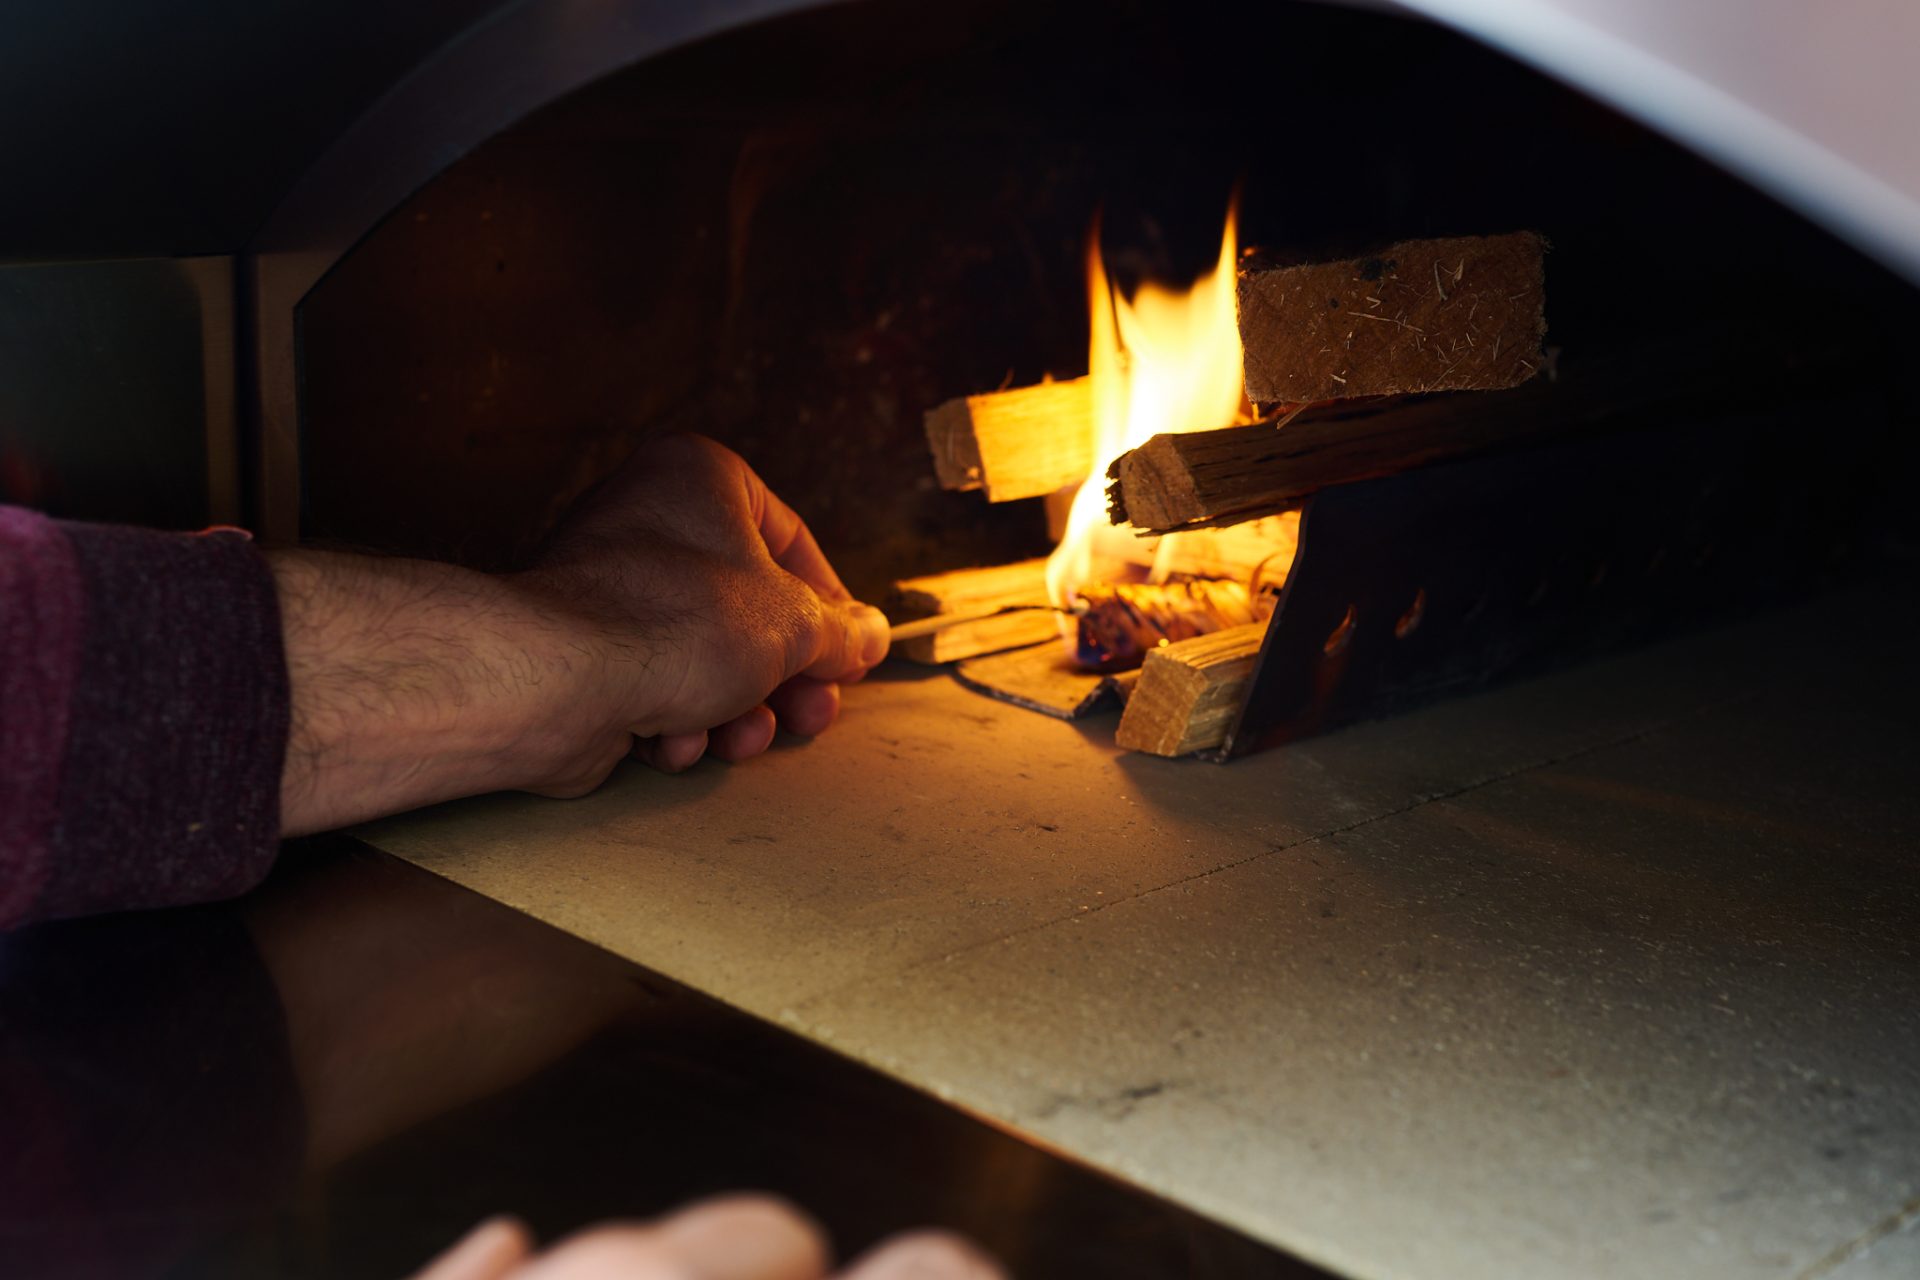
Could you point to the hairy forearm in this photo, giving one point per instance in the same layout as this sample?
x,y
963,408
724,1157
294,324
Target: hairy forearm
x,y
680,606
414,682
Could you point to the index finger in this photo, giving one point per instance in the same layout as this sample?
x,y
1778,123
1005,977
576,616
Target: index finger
x,y
791,543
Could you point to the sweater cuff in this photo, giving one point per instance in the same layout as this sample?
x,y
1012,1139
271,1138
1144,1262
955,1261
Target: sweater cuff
x,y
170,785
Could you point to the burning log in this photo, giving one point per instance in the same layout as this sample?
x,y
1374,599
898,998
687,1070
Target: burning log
x,y
1223,477
1256,552
1015,444
975,603
1189,692
945,617
1425,315
1121,624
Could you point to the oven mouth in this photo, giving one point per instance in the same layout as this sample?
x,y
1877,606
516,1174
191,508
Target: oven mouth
x,y
801,236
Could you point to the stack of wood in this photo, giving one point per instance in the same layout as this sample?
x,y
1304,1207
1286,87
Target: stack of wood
x,y
1326,345
948,616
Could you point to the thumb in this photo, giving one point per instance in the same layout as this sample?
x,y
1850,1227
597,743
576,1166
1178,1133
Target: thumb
x,y
850,638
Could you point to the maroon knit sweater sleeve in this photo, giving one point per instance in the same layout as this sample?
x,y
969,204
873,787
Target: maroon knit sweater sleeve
x,y
143,717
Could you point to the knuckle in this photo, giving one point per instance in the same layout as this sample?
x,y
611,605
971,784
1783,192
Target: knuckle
x,y
805,620
685,449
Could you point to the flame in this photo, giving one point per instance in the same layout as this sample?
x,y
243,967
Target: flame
x,y
1165,360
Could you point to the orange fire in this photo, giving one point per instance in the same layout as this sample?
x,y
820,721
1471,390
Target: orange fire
x,y
1165,360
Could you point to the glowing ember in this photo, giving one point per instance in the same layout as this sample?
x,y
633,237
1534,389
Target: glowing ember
x,y
1122,622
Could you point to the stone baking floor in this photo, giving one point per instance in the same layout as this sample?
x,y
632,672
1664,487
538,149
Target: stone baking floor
x,y
1611,972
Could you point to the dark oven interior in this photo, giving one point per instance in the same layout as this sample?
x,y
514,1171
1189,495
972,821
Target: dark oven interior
x,y
800,236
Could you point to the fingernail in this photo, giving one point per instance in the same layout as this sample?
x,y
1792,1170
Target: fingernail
x,y
875,634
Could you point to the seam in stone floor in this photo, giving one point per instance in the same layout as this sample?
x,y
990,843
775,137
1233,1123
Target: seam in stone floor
x,y
1897,1221
1505,775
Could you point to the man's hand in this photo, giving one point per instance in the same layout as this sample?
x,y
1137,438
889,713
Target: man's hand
x,y
681,607
736,1238
716,613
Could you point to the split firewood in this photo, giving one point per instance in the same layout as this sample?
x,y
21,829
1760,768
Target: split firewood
x,y
947,616
1015,444
1234,474
1257,552
1223,477
933,624
974,599
1467,313
1189,692
1023,581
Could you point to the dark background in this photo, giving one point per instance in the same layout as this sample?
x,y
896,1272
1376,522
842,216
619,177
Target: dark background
x,y
801,236
171,129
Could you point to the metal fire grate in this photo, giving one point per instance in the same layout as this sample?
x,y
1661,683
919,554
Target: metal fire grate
x,y
1419,584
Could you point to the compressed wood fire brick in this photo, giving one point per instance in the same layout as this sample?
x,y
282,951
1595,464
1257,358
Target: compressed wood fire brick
x,y
1467,313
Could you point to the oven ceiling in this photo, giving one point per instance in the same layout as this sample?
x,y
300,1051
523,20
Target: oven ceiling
x,y
179,129
175,128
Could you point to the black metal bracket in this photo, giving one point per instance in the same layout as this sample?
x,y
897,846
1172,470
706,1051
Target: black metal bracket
x,y
1415,585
